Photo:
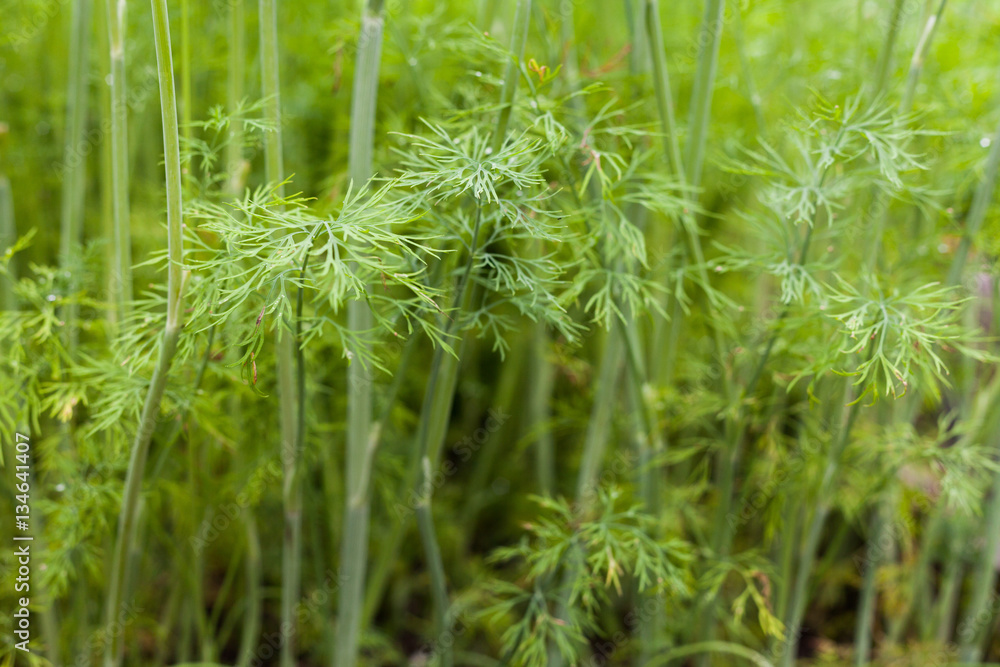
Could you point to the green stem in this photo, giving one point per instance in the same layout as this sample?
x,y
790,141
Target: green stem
x,y
980,204
8,235
121,283
951,583
444,369
979,617
234,94
919,53
522,19
285,348
362,438
251,613
709,38
73,167
866,609
171,332
810,548
187,99
539,408
885,57
599,425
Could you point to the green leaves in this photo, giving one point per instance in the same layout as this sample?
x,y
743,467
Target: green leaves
x,y
900,335
596,555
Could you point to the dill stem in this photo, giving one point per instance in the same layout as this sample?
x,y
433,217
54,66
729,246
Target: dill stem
x,y
171,333
507,388
885,56
951,581
972,630
121,281
807,554
919,53
73,167
542,378
234,94
291,439
362,438
977,213
8,236
709,39
444,366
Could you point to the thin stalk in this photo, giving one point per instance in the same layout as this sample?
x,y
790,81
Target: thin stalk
x,y
979,618
752,95
444,367
540,411
866,610
187,99
709,37
121,281
433,425
807,556
171,332
917,61
508,385
234,94
951,582
251,613
8,235
599,425
920,580
361,437
885,56
250,633
285,347
106,181
980,204
73,167
522,19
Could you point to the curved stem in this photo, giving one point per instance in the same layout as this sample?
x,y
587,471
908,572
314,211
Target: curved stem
x,y
171,333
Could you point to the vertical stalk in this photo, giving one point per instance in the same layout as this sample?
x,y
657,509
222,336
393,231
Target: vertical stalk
x,y
171,332
917,61
187,100
234,94
236,171
8,235
444,367
251,615
73,167
599,424
866,610
885,57
361,437
121,281
979,618
951,585
285,349
980,203
807,555
710,36
540,410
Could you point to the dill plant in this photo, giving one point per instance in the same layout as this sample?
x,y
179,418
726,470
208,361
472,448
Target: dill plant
x,y
725,301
